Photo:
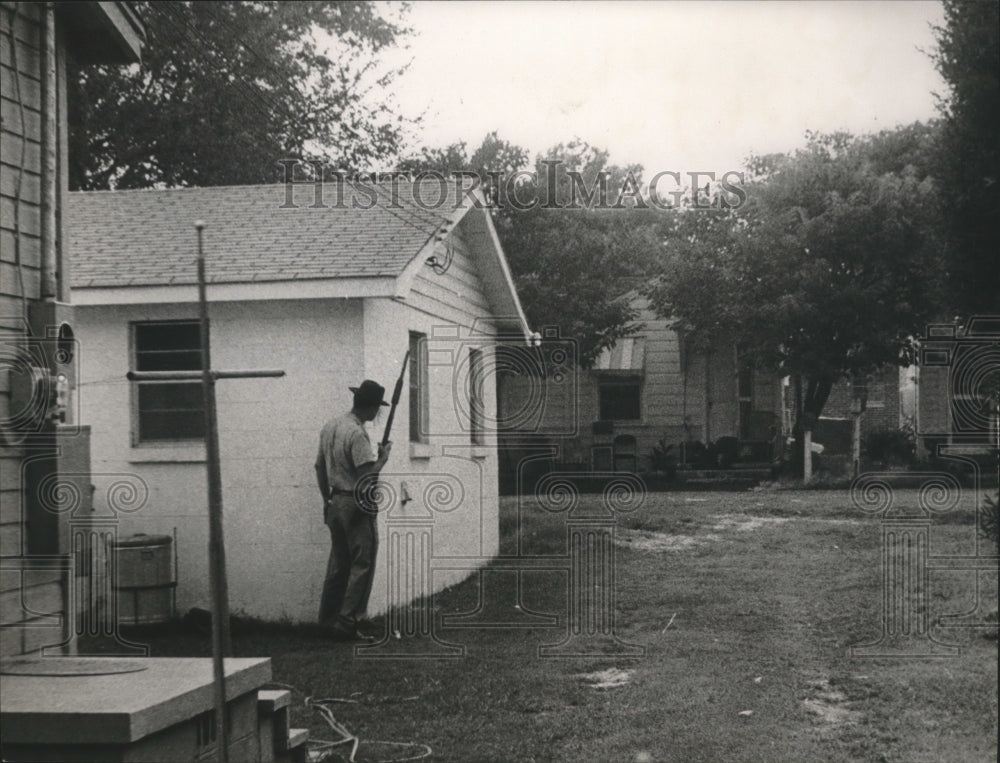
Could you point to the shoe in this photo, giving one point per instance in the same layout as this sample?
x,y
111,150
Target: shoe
x,y
350,635
368,630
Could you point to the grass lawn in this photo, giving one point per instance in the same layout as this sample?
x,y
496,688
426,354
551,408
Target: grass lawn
x,y
746,604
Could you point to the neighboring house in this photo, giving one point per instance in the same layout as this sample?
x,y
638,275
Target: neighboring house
x,y
329,293
651,387
36,321
950,397
884,399
958,386
885,394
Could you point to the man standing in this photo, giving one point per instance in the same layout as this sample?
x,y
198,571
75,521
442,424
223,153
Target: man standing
x,y
345,465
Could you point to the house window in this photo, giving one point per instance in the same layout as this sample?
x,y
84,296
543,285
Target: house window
x,y
876,394
167,410
477,406
619,398
871,391
205,729
419,387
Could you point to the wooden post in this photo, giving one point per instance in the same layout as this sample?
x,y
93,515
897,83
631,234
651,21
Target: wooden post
x,y
858,406
808,421
221,644
856,443
807,462
707,426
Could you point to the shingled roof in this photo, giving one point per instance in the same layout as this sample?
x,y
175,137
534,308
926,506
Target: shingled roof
x,y
252,234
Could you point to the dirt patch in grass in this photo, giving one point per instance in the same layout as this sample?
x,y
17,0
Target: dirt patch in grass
x,y
745,522
648,540
611,678
651,540
830,705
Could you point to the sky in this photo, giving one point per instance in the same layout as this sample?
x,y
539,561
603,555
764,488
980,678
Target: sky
x,y
681,86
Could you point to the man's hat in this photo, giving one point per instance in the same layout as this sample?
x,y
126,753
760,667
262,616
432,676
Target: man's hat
x,y
369,393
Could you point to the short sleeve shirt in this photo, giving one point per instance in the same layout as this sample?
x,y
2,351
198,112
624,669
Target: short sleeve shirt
x,y
344,445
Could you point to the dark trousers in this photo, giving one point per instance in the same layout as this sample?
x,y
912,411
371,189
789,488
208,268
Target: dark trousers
x,y
351,569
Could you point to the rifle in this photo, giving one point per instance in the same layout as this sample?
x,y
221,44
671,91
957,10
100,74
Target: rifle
x,y
395,401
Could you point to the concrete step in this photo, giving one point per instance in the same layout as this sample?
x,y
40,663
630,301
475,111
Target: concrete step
x,y
272,700
293,739
296,750
287,744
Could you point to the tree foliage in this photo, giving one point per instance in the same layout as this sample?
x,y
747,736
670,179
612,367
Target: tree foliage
x,y
968,57
829,269
572,267
571,271
226,89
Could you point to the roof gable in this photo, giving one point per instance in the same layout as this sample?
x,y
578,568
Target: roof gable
x,y
300,240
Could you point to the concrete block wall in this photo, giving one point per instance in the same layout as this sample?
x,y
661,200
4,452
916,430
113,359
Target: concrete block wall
x,y
449,477
276,541
277,544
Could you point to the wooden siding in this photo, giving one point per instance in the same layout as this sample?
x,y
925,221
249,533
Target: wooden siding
x,y
20,226
457,295
534,406
21,159
663,387
675,390
26,593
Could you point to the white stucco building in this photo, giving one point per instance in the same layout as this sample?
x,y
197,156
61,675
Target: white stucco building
x,y
331,294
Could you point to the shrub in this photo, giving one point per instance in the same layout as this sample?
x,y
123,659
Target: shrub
x,y
662,459
890,446
989,524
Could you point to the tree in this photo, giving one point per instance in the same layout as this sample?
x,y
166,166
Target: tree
x,y
968,57
572,267
570,272
829,269
227,89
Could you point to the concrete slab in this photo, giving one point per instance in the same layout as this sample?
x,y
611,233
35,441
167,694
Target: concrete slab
x,y
118,708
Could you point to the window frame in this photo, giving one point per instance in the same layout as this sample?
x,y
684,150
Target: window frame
x,y
876,389
135,412
419,384
477,401
871,390
608,380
